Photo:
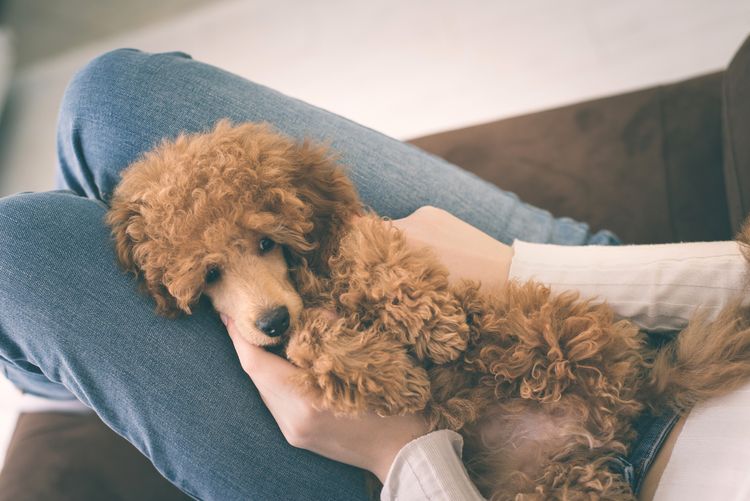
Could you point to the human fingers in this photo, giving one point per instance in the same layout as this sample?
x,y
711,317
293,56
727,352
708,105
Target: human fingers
x,y
268,371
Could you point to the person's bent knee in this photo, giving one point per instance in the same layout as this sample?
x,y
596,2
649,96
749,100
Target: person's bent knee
x,y
103,114
95,87
93,80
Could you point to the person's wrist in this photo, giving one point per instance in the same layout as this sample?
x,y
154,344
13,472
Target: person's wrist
x,y
504,256
398,431
489,263
383,461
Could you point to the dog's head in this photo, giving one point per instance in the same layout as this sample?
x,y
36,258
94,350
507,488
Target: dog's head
x,y
224,213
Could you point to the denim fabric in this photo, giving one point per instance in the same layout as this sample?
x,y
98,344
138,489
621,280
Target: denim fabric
x,y
652,430
72,324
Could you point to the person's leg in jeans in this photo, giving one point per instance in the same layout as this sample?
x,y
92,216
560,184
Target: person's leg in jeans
x,y
70,321
173,388
126,101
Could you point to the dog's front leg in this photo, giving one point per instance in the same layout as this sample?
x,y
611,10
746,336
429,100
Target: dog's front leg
x,y
356,370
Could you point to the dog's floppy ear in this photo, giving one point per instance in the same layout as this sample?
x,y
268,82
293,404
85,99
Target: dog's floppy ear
x,y
322,184
120,216
127,224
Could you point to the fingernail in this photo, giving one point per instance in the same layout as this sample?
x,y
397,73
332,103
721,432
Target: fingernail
x,y
223,318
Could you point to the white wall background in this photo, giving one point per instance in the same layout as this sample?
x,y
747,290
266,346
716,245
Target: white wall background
x,y
405,68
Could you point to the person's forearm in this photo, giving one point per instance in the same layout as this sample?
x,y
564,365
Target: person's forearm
x,y
659,287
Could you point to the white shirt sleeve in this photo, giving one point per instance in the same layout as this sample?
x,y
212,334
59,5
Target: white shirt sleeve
x,y
659,287
430,468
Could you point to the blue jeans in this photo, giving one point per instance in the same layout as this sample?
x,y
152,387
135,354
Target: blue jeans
x,y
72,325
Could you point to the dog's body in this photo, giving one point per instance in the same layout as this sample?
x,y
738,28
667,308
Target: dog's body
x,y
545,388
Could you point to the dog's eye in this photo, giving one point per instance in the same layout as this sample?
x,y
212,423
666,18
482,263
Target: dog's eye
x,y
266,244
213,274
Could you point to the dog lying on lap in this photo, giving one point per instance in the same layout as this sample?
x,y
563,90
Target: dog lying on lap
x,y
272,231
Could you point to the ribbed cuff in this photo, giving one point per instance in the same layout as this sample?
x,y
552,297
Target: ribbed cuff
x,y
659,287
430,468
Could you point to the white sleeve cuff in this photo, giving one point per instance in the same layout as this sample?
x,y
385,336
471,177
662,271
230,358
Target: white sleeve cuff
x,y
430,468
659,287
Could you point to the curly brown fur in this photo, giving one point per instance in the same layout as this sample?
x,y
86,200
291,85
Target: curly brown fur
x,y
204,201
558,384
545,388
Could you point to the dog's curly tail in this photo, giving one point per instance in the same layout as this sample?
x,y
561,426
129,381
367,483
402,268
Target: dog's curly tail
x,y
708,358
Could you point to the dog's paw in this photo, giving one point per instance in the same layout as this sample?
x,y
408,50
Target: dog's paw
x,y
353,372
353,394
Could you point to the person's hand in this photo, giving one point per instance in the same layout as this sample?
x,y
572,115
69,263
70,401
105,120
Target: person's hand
x,y
467,252
369,442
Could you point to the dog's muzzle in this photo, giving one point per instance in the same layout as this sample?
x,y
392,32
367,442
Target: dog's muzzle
x,y
274,323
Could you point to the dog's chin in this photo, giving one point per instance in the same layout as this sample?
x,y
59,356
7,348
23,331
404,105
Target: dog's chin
x,y
273,344
263,340
276,345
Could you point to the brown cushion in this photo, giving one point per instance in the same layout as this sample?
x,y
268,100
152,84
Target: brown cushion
x,y
736,121
57,456
646,165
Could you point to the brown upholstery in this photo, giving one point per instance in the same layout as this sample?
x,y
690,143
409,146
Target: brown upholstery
x,y
647,165
736,116
75,457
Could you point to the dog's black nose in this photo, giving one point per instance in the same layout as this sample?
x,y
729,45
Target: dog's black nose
x,y
275,322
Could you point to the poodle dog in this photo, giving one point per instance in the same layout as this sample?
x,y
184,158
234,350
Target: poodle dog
x,y
544,388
